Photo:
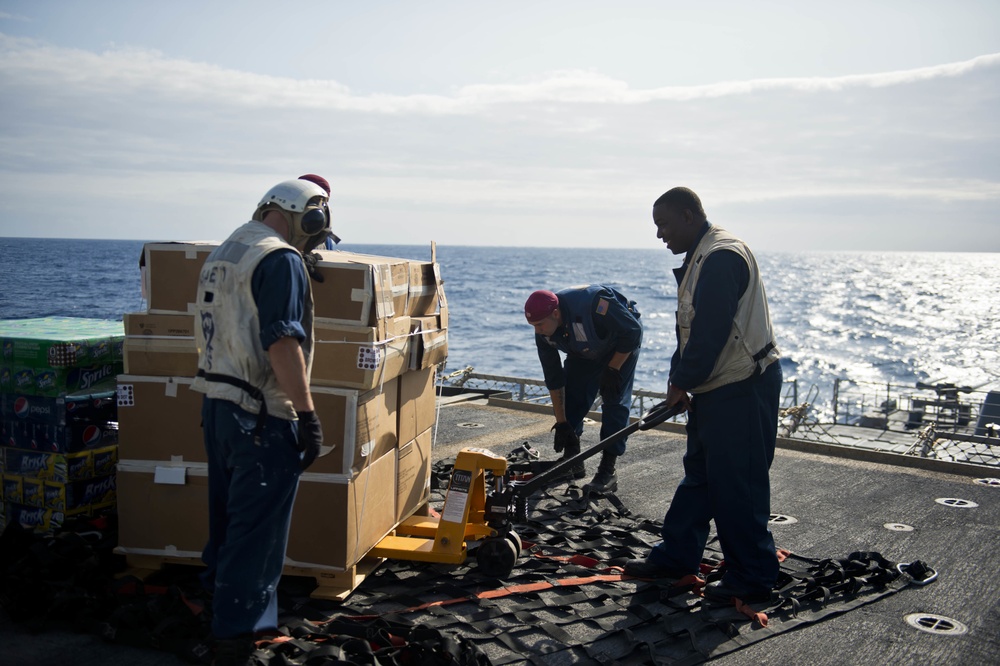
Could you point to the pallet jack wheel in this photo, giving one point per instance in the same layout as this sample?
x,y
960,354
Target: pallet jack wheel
x,y
515,539
496,556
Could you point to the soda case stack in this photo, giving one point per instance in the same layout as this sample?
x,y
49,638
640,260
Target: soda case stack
x,y
381,333
58,418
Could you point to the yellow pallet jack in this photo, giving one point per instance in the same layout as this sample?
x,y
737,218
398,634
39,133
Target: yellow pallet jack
x,y
483,503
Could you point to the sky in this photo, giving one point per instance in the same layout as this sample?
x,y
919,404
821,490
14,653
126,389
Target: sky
x,y
803,126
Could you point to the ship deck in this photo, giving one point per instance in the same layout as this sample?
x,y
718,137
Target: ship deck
x,y
827,501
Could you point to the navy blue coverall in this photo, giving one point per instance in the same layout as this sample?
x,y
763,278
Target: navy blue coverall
x,y
614,321
731,433
252,487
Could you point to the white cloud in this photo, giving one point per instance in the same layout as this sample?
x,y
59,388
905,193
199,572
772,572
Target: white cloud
x,y
561,156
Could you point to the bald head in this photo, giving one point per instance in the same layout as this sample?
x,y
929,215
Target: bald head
x,y
679,219
680,199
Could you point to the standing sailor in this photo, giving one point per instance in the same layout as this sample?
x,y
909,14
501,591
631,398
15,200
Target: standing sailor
x,y
726,359
255,339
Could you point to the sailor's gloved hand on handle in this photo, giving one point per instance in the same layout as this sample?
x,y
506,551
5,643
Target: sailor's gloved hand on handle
x,y
611,384
662,411
565,436
310,437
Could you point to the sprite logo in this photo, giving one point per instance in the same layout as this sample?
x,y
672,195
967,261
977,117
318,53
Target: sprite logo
x,y
45,380
89,377
24,379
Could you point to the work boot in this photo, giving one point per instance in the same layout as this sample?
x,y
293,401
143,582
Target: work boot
x,y
577,471
233,651
605,481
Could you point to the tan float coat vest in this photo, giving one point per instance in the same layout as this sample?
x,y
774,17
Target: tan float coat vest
x,y
227,328
751,332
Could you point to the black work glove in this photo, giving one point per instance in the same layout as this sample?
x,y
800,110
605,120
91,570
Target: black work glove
x,y
611,384
565,436
311,259
310,437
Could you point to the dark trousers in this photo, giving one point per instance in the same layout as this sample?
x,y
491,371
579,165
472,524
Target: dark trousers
x,y
251,490
583,383
730,446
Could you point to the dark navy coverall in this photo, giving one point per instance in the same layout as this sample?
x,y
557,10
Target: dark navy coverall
x,y
731,432
252,487
615,325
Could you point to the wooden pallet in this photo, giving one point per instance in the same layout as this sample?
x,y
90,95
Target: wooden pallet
x,y
330,585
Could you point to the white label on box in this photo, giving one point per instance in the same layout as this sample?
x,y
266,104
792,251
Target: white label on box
x,y
173,476
126,395
367,448
369,358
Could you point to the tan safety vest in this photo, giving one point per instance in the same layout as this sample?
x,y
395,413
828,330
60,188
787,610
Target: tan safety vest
x,y
227,328
751,340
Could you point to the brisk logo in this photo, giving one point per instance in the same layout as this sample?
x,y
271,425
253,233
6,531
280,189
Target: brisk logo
x,y
98,491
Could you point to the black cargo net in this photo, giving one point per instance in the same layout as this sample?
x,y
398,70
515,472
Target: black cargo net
x,y
565,601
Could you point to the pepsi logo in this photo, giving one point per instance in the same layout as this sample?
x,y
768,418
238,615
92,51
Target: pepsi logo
x,y
22,407
91,435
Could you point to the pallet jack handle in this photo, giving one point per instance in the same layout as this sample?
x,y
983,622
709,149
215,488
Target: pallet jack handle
x,y
654,417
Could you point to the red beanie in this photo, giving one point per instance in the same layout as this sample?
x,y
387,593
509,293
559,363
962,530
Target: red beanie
x,y
319,180
540,305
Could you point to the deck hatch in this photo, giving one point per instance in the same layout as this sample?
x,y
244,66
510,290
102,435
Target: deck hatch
x,y
936,624
779,519
898,527
956,502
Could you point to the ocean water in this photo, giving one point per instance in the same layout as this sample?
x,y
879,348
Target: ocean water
x,y
890,318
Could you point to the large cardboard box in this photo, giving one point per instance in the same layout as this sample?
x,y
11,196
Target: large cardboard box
x,y
163,511
159,418
160,345
162,508
337,520
417,403
428,342
362,357
358,427
357,289
150,325
360,289
170,274
426,294
413,475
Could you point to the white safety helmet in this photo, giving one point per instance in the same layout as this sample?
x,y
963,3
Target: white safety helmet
x,y
305,205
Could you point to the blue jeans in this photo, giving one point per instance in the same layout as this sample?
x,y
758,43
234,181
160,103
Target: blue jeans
x,y
730,446
251,490
583,383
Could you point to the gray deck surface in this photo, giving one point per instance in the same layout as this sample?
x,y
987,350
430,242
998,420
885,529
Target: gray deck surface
x,y
839,505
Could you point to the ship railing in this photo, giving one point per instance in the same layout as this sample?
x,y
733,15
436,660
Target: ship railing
x,y
936,421
521,389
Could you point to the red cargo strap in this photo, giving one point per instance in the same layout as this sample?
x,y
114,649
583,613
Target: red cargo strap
x,y
758,617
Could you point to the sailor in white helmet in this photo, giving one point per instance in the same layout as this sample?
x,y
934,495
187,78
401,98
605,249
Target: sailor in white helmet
x,y
255,338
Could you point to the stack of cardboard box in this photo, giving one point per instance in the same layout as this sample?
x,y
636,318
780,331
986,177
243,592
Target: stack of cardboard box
x,y
380,330
58,419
